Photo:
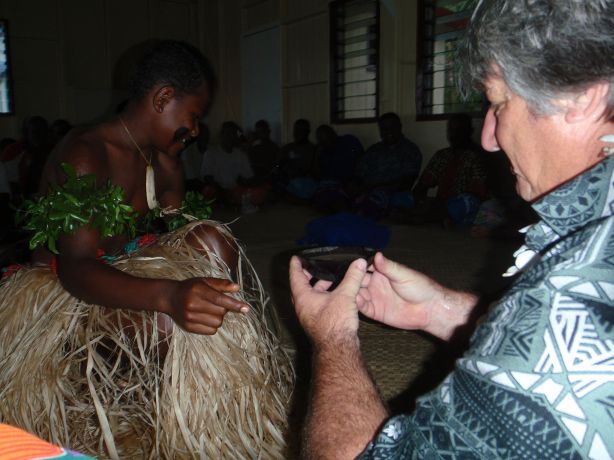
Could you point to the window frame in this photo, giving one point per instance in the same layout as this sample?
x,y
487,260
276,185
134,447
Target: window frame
x,y
421,66
9,71
333,66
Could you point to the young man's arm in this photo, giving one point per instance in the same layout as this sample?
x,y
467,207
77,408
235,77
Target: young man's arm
x,y
197,305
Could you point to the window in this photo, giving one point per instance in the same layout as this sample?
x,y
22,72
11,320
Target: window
x,y
443,24
6,87
354,45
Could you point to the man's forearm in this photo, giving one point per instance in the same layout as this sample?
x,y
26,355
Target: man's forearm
x,y
346,409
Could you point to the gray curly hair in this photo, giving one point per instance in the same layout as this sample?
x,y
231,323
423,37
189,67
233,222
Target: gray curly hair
x,y
545,49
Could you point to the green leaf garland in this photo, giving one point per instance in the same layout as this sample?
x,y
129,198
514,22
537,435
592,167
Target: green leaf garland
x,y
193,207
77,202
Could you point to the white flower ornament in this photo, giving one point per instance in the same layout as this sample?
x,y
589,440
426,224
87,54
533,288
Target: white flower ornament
x,y
523,256
393,431
608,150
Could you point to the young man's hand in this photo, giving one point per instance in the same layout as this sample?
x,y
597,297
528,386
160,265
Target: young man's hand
x,y
199,305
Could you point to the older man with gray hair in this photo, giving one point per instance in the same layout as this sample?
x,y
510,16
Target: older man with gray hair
x,y
538,378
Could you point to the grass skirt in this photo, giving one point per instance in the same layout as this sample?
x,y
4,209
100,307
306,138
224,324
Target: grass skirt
x,y
71,375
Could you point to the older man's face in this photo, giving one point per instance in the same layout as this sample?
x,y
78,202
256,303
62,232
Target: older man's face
x,y
538,146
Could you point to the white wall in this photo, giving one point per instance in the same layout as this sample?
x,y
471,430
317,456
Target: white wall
x,y
69,56
66,54
261,80
305,66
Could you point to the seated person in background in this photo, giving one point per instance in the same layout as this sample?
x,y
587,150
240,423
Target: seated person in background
x,y
263,153
192,159
7,162
57,130
295,171
386,172
228,174
458,172
336,158
504,213
537,379
6,221
125,349
26,158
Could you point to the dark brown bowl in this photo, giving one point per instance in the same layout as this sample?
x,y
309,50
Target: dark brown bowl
x,y
331,262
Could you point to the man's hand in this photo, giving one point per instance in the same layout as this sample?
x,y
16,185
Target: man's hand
x,y
327,316
397,296
199,304
336,426
404,298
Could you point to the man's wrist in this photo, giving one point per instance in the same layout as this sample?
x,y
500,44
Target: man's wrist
x,y
164,292
336,344
450,312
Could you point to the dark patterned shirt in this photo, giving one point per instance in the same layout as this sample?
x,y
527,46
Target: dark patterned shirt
x,y
538,379
383,163
456,171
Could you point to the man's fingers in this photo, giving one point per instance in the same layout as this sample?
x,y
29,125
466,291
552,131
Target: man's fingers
x,y
364,294
206,319
216,296
353,278
307,274
322,285
200,329
298,279
222,284
367,279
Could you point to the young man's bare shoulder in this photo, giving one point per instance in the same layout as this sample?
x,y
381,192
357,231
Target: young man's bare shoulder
x,y
85,149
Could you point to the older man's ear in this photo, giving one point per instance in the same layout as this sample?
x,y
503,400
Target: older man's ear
x,y
589,105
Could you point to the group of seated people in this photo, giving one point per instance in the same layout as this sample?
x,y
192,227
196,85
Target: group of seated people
x,y
22,161
460,185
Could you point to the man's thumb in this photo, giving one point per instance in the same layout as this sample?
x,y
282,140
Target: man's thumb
x,y
353,278
387,267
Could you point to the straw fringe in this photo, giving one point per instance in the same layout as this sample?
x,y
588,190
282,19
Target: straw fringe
x,y
69,374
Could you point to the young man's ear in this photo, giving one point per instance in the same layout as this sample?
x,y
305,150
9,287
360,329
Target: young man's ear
x,y
592,103
162,97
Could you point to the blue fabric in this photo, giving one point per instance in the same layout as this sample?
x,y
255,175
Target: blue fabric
x,y
403,200
302,187
345,229
463,208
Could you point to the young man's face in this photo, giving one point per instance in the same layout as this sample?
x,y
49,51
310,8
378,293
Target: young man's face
x,y
180,121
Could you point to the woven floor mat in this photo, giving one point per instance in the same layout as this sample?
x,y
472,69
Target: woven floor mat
x,y
394,357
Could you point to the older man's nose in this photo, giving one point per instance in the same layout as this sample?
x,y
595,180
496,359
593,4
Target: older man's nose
x,y
489,139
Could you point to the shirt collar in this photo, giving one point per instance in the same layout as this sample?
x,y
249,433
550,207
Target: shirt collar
x,y
573,205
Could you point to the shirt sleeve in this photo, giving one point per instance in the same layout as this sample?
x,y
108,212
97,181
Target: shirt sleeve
x,y
245,168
